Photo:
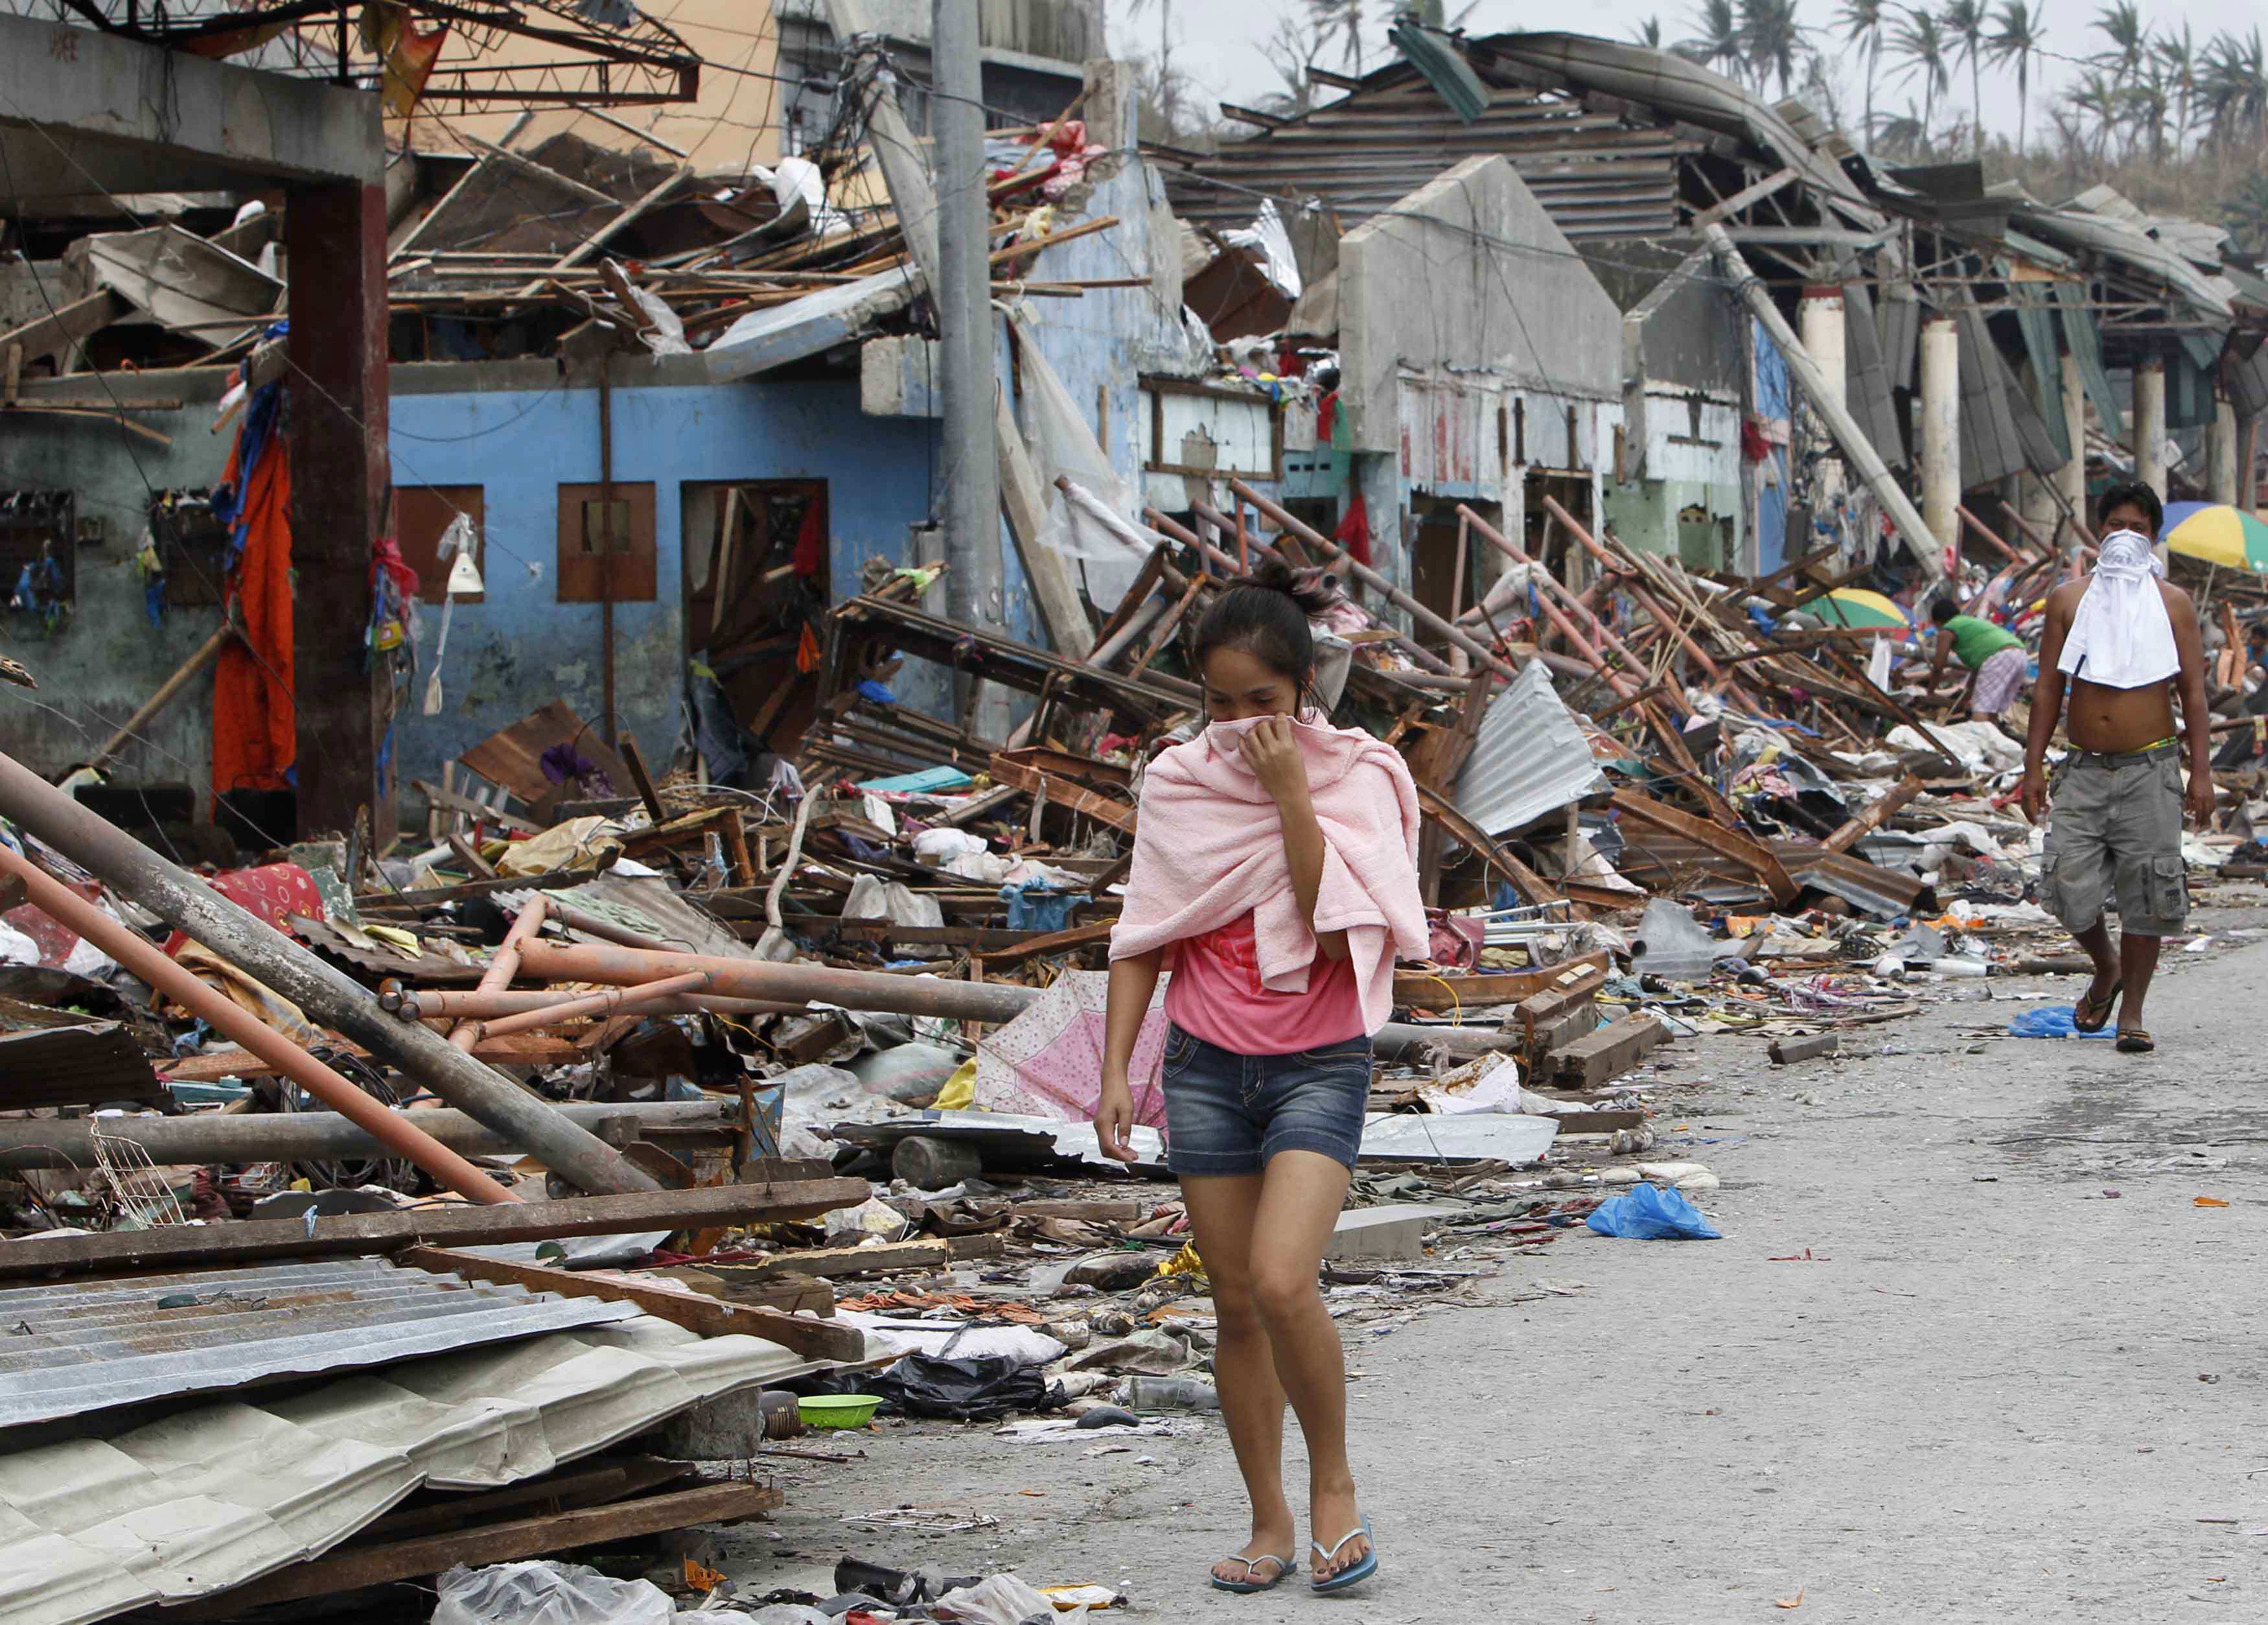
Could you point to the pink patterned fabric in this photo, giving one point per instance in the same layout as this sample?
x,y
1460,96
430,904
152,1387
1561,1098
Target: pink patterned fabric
x,y
1217,993
1048,1062
1209,849
274,892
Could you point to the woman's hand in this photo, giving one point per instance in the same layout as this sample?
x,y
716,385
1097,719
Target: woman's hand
x,y
1271,751
1113,1118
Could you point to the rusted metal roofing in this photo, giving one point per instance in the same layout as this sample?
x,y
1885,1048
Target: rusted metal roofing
x,y
115,1518
1663,862
1598,174
379,959
84,1346
83,1064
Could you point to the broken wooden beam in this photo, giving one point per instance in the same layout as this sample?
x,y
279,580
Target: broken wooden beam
x,y
1788,1052
1890,801
1612,1050
1750,854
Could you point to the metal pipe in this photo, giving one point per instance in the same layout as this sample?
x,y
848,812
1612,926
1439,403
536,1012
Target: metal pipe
x,y
329,996
1369,577
144,960
630,1000
1672,625
1824,393
1552,589
606,728
453,1004
989,1002
503,965
222,1137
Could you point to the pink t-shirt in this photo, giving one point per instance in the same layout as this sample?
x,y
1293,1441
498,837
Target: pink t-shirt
x,y
1216,994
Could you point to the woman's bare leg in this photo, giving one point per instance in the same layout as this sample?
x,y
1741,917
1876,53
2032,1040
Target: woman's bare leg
x,y
1222,1213
1301,1195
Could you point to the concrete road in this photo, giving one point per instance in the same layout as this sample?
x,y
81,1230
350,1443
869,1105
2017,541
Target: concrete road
x,y
2019,1377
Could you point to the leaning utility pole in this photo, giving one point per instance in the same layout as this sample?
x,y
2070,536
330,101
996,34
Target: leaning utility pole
x,y
963,291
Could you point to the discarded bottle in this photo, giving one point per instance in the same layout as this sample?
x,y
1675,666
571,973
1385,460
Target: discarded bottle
x,y
1171,1393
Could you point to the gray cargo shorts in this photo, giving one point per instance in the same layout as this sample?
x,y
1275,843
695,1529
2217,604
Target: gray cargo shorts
x,y
2115,829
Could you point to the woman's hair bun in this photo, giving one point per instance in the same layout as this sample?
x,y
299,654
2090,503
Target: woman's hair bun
x,y
1310,589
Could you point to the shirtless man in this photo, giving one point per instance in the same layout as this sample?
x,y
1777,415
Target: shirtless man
x,y
2122,637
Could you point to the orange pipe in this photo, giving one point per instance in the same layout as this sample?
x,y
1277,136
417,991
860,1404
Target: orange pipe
x,y
226,1016
607,1002
505,967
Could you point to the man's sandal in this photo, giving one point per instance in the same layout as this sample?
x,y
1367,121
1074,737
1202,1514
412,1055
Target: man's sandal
x,y
1251,1585
2135,1041
2109,1002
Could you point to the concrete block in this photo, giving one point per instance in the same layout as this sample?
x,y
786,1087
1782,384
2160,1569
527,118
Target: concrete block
x,y
1366,1234
729,1428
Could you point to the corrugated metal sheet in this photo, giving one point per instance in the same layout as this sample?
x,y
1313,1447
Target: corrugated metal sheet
x,y
222,1494
83,1346
1664,862
1531,757
82,1065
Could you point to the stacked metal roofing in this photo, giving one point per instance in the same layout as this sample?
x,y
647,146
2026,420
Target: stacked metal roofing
x,y
221,1494
69,1347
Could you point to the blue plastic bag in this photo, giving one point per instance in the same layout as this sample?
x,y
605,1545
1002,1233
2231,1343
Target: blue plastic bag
x,y
1652,1213
2053,1021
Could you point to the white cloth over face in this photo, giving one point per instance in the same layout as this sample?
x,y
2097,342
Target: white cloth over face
x,y
2122,637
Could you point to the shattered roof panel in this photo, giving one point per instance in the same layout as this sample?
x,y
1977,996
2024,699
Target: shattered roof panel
x,y
83,1346
83,1064
220,1495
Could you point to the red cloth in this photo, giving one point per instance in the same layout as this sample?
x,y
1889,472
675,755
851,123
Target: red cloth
x,y
811,541
256,736
274,892
1327,417
1354,533
1216,993
1754,446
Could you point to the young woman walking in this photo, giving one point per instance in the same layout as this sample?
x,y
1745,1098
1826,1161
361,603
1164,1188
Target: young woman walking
x,y
1276,868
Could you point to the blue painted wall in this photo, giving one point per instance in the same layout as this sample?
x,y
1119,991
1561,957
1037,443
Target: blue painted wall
x,y
522,647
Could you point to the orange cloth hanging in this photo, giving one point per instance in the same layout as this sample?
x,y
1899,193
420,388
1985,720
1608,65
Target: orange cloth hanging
x,y
255,724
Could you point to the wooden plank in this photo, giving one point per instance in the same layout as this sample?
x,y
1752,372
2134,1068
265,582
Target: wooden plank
x,y
1561,1030
1054,942
1786,1051
1062,793
1612,1050
611,1483
708,1317
1422,990
1868,822
1556,1000
643,782
449,801
1579,1123
50,337
444,1225
832,1263
526,1537
1749,854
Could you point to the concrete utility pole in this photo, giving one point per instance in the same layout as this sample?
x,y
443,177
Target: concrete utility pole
x,y
1826,397
1822,315
2150,425
2221,453
2072,477
963,290
1941,426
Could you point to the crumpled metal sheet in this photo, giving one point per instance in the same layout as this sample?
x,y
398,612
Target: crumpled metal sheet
x,y
88,1345
203,1500
1529,759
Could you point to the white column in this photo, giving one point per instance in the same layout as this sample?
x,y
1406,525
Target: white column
x,y
2149,426
1821,319
2072,477
2220,454
1940,429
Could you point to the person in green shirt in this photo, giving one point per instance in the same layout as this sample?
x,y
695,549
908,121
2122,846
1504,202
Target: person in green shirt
x,y
1994,656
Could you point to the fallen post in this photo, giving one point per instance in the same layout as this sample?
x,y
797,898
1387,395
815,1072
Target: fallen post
x,y
329,996
212,1137
1872,818
182,1246
989,1002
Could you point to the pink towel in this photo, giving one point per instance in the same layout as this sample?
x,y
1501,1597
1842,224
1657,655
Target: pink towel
x,y
1209,849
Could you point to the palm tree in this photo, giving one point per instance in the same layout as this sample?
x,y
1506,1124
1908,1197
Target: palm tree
x,y
1861,22
2021,30
1905,134
2177,56
2246,214
2094,102
2145,103
2122,25
1648,33
1920,45
1167,91
1965,22
1719,39
1771,40
2235,87
1342,19
1295,46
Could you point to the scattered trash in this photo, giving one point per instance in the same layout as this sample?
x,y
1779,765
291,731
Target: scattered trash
x,y
1652,1212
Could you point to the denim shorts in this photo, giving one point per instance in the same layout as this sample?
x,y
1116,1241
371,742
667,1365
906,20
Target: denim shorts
x,y
1227,1113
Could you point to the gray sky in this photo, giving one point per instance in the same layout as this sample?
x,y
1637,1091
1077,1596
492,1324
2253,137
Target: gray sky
x,y
1217,43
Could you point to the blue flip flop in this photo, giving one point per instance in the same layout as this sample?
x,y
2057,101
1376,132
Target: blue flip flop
x,y
1352,1577
1251,1586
